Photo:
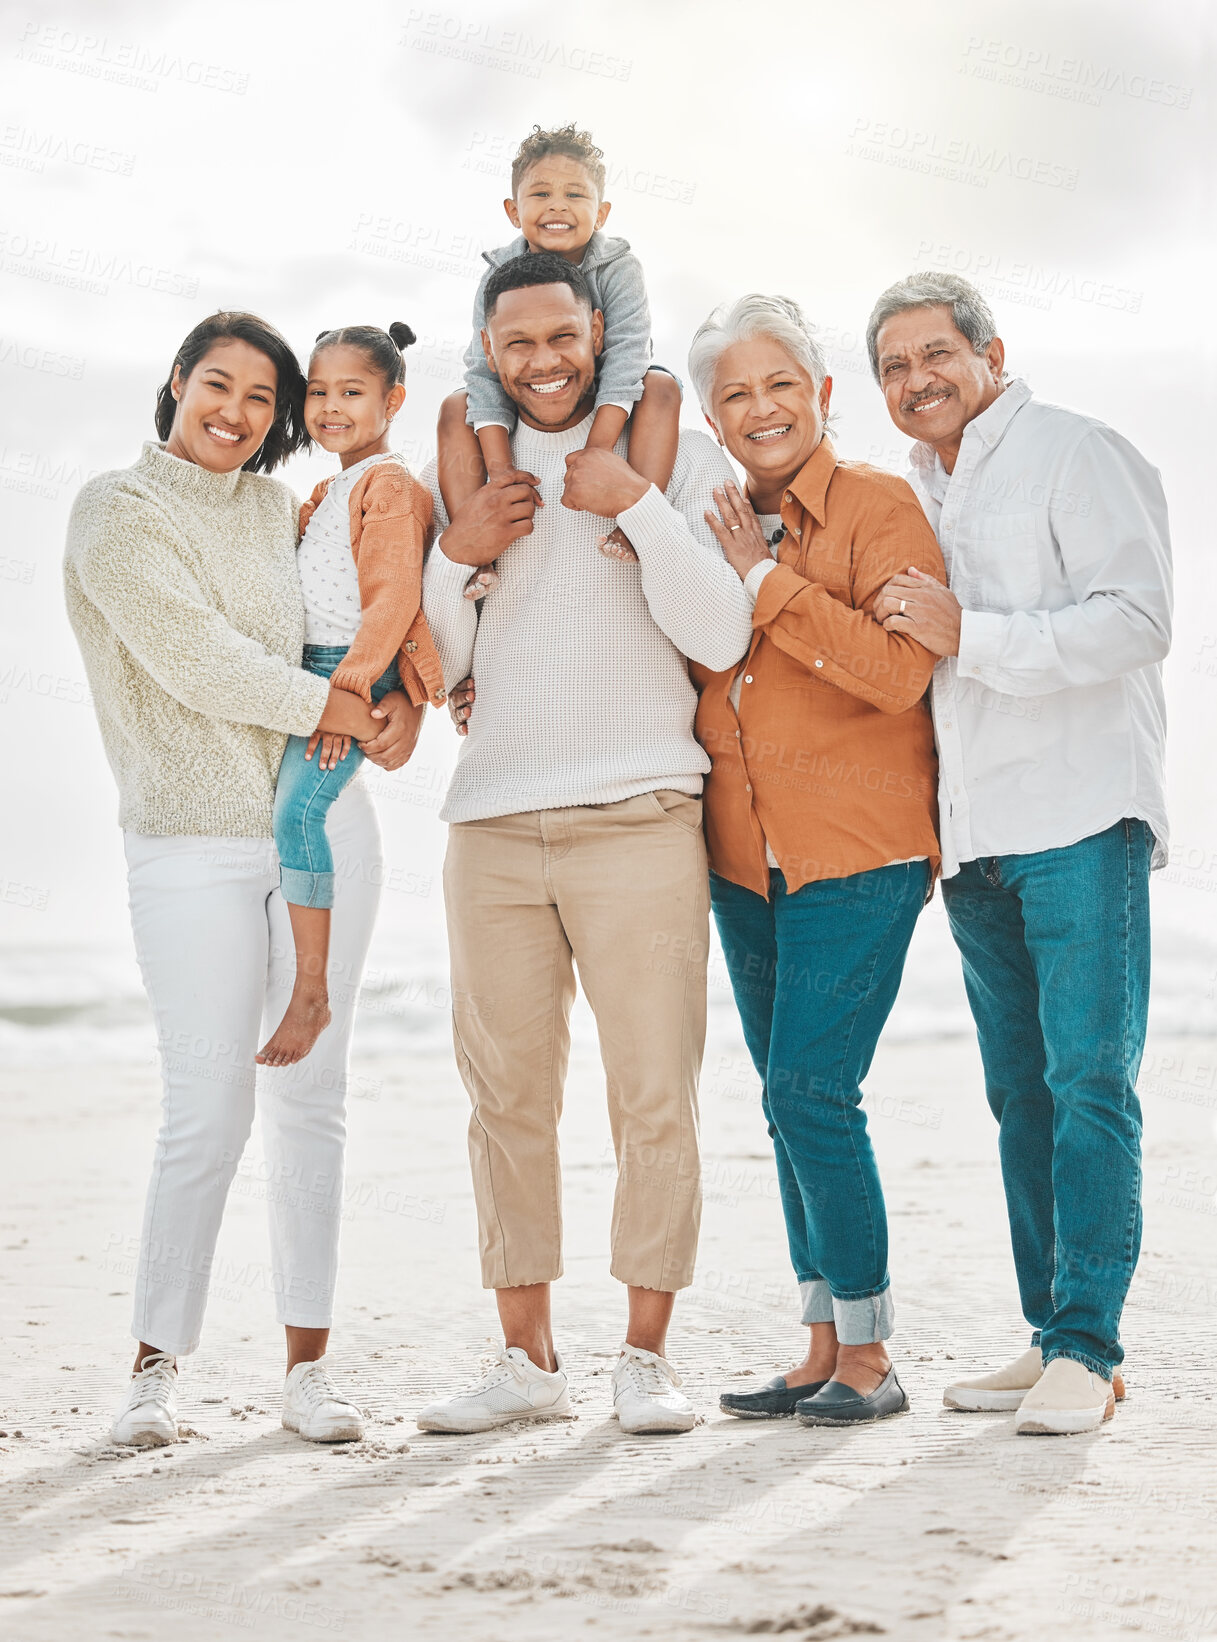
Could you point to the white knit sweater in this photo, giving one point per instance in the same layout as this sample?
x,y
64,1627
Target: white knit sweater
x,y
181,587
583,694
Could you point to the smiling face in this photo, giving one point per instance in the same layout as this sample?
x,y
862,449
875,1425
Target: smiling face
x,y
768,413
556,207
542,342
932,378
348,405
225,407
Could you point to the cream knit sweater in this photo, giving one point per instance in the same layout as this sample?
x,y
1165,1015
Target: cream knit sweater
x,y
583,692
181,588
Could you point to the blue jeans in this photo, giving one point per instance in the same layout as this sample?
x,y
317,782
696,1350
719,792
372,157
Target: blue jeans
x,y
305,792
815,974
1055,949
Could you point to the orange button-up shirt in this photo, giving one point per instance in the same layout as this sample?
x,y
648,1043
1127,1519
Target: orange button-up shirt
x,y
831,754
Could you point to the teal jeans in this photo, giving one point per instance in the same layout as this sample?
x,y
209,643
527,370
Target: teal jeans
x,y
1055,949
815,974
305,792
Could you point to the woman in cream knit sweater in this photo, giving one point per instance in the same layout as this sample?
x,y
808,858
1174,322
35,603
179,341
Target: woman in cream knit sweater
x,y
181,586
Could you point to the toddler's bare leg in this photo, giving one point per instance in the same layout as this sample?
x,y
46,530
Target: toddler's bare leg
x,y
308,1012
654,436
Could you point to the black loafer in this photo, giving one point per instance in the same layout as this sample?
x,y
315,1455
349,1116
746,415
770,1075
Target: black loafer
x,y
837,1404
771,1402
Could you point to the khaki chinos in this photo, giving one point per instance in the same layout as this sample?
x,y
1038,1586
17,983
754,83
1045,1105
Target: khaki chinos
x,y
621,890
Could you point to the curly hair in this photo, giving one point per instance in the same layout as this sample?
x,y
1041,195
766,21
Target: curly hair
x,y
567,140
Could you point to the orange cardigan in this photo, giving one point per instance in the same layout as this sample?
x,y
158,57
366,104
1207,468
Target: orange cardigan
x,y
390,530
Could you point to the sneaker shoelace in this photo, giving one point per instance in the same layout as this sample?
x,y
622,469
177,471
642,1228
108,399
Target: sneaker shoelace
x,y
315,1386
505,1368
154,1382
653,1378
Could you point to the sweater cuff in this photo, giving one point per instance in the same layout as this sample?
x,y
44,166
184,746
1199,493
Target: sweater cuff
x,y
648,523
358,680
980,640
306,703
444,575
754,578
775,592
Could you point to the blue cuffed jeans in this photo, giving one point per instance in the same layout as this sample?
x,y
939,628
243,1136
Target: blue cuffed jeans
x,y
1055,949
305,792
815,973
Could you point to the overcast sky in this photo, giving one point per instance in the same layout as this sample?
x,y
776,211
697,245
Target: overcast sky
x,y
328,166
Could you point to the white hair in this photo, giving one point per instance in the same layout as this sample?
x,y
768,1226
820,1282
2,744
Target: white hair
x,y
970,313
751,316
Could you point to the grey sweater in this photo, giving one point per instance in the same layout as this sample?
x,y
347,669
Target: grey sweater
x,y
182,590
614,274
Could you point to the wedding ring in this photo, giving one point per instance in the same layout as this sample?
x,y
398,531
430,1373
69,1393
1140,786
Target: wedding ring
x,y
733,527
903,602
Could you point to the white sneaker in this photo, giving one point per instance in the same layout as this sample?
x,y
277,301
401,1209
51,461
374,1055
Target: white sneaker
x,y
148,1419
1067,1398
645,1394
514,1389
1006,1387
313,1408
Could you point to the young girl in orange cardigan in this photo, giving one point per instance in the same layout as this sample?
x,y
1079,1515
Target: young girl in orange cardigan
x,y
360,559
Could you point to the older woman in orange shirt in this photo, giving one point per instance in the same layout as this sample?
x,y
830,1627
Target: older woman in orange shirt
x,y
820,819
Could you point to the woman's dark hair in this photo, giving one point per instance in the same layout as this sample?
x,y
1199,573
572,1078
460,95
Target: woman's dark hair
x,y
535,268
382,348
287,433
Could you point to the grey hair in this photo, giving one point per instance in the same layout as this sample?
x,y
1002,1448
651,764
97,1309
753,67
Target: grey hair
x,y
779,317
970,313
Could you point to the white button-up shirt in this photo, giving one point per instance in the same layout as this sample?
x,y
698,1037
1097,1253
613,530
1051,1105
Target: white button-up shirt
x,y
1051,722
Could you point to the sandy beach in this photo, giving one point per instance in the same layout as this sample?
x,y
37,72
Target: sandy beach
x,y
935,1526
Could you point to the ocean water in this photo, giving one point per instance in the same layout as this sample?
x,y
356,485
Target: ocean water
x,y
75,1004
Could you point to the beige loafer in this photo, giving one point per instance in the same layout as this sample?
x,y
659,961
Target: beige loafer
x,y
1004,1389
1000,1391
1066,1399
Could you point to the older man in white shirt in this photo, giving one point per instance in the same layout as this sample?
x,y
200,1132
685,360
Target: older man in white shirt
x,y
1050,723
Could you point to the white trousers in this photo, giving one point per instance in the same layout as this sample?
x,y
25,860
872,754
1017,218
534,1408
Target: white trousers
x,y
215,947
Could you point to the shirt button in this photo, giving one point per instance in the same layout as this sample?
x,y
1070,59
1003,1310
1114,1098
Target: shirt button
x,y
747,678
411,646
788,497
441,695
819,664
748,788
737,735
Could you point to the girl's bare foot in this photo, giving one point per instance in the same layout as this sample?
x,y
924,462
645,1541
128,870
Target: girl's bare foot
x,y
616,545
482,582
308,1015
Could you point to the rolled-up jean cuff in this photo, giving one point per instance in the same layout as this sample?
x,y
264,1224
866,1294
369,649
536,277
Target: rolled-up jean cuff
x,y
817,1301
306,889
858,1322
